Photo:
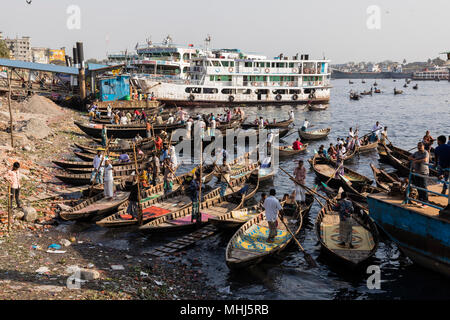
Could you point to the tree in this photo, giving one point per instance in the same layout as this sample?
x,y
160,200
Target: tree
x,y
4,51
429,61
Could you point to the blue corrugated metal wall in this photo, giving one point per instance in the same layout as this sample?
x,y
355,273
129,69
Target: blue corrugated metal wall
x,y
115,88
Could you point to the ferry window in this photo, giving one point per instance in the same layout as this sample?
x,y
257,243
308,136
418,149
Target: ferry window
x,y
294,91
185,69
216,63
274,78
229,91
225,63
211,78
291,64
188,90
210,90
267,64
231,63
274,64
186,56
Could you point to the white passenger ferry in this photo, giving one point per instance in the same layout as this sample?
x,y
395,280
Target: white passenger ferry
x,y
162,61
229,76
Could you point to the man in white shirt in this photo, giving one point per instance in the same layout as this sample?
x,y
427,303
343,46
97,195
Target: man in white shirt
x,y
189,128
213,127
272,206
305,125
124,120
291,115
171,119
261,122
351,134
173,156
375,132
97,172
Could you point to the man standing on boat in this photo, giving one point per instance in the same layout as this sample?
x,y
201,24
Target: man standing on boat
x,y
97,173
194,189
104,136
305,125
109,180
345,209
375,132
291,115
300,176
154,163
442,161
272,207
384,136
420,161
224,172
297,145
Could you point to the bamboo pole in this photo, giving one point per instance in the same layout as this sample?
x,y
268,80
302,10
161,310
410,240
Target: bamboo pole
x,y
9,207
199,217
139,188
9,106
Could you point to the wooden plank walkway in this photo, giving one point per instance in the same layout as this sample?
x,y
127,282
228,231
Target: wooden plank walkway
x,y
184,242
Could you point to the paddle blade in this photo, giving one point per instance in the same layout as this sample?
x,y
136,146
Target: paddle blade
x,y
310,260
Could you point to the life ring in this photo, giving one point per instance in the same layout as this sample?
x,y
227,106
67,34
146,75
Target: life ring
x,y
266,70
231,98
294,70
191,97
278,97
230,69
295,97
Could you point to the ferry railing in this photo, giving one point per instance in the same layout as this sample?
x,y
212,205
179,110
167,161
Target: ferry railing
x,y
412,174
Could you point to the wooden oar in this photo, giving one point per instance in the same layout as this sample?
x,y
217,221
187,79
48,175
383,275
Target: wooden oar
x,y
334,173
139,189
309,259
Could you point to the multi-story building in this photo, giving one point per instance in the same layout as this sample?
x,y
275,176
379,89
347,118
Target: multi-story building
x,y
19,48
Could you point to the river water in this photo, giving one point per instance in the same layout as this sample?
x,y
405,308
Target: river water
x,y
407,117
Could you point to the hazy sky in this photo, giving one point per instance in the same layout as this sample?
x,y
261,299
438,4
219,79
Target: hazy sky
x,y
411,29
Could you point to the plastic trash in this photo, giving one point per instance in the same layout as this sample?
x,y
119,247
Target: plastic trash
x,y
118,267
54,246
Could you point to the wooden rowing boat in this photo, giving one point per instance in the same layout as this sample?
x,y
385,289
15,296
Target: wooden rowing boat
x,y
236,218
286,151
149,144
249,245
91,156
368,147
365,237
65,164
314,134
325,170
181,220
383,179
320,107
276,125
124,131
125,167
95,207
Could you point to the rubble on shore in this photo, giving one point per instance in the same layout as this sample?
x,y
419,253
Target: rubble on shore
x,y
44,131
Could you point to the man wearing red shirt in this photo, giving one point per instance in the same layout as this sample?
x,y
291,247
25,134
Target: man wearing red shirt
x,y
158,143
297,145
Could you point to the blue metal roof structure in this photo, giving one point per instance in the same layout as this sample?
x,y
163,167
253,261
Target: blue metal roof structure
x,y
38,66
51,67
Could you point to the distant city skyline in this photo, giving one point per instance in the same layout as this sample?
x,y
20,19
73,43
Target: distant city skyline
x,y
342,31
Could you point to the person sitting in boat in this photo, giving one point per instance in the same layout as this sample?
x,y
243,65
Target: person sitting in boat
x,y
322,152
427,141
297,145
261,202
133,198
138,138
171,119
261,122
357,142
224,172
272,207
345,209
340,161
332,151
124,157
305,125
